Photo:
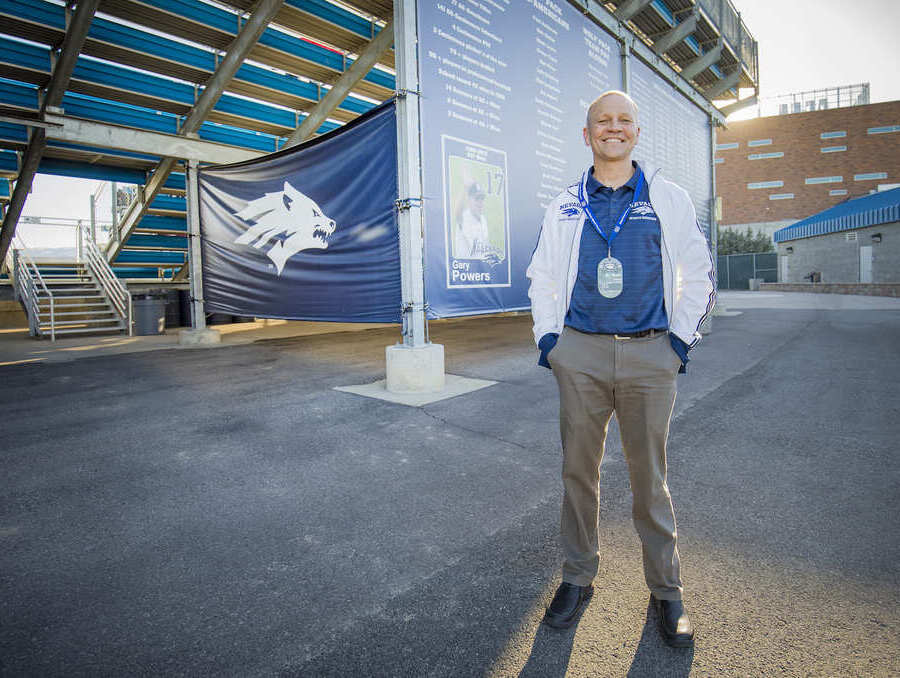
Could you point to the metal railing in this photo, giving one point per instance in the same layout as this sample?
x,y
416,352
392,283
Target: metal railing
x,y
28,285
729,23
112,287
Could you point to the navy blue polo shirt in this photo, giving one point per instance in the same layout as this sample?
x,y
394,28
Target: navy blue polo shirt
x,y
641,304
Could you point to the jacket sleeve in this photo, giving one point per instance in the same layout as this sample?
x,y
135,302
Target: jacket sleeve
x,y
543,274
695,276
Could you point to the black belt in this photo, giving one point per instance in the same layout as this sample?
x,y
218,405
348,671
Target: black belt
x,y
638,335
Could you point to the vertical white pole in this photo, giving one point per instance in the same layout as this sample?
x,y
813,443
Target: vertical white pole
x,y
114,229
713,220
94,218
706,325
192,188
416,365
409,166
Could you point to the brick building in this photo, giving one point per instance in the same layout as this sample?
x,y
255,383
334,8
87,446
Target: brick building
x,y
774,171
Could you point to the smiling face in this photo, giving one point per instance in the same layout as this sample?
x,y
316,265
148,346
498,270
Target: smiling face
x,y
612,131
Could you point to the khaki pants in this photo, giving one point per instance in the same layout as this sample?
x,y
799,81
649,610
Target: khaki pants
x,y
597,375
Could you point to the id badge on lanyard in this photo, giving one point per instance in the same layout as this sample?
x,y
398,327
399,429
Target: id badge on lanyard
x,y
610,275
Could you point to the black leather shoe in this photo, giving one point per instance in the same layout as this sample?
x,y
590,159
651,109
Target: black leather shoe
x,y
568,602
674,623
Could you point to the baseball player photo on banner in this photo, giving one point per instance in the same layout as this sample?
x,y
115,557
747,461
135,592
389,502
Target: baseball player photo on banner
x,y
476,214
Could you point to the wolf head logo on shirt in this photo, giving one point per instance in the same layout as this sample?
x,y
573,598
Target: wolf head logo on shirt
x,y
644,210
293,220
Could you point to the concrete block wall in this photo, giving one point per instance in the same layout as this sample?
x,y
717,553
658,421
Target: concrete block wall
x,y
12,316
798,137
837,258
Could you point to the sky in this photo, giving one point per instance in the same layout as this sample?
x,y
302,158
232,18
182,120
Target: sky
x,y
813,44
803,45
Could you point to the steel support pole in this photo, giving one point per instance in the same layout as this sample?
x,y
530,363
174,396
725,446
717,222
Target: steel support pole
x,y
357,71
192,188
713,221
114,228
701,63
94,218
410,217
625,52
62,71
248,36
674,36
726,83
630,8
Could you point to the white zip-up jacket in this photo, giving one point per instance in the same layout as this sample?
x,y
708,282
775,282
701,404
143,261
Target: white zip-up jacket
x,y
688,278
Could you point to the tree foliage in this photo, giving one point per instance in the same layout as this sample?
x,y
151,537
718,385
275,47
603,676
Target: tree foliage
x,y
732,241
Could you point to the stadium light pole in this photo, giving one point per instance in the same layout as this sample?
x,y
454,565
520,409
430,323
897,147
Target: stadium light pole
x,y
415,365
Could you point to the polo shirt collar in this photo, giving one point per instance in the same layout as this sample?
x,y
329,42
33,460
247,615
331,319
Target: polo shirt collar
x,y
593,186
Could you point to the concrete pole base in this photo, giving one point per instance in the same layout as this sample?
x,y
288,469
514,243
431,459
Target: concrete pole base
x,y
414,370
204,337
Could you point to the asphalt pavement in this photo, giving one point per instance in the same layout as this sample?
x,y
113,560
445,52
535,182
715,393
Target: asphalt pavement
x,y
226,512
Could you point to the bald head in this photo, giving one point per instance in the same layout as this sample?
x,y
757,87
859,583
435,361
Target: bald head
x,y
610,93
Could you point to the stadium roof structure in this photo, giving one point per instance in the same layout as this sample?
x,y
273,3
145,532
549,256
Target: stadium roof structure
x,y
869,210
126,90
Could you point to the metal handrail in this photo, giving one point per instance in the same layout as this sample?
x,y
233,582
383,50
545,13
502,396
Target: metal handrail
x,y
28,291
112,287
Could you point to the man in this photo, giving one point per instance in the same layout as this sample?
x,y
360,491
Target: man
x,y
472,239
621,279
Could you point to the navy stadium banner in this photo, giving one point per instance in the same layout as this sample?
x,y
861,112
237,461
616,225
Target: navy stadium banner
x,y
308,233
504,96
675,135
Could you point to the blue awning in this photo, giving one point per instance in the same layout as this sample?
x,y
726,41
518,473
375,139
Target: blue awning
x,y
869,210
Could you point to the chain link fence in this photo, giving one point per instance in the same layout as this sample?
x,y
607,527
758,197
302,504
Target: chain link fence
x,y
735,270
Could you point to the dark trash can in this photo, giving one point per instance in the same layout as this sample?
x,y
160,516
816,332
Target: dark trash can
x,y
149,315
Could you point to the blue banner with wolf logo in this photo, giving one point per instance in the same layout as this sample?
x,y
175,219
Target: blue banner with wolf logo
x,y
308,233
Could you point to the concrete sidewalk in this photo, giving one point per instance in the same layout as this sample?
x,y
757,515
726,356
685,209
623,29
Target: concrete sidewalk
x,y
16,346
227,512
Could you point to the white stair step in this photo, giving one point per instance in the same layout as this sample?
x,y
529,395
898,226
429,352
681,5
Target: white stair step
x,y
79,300
70,283
71,301
71,323
85,330
57,265
57,306
60,294
60,314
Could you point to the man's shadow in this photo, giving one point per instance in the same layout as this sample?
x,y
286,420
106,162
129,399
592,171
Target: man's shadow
x,y
550,653
654,658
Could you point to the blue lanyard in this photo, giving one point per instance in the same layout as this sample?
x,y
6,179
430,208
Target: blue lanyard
x,y
621,220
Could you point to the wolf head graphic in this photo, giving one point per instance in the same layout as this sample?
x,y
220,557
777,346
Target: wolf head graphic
x,y
643,209
287,212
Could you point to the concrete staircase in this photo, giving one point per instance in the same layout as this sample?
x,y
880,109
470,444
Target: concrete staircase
x,y
79,304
